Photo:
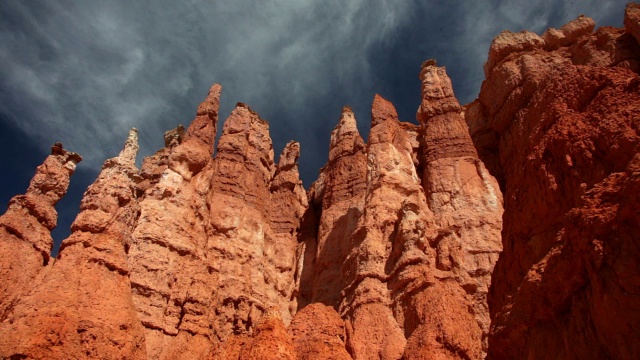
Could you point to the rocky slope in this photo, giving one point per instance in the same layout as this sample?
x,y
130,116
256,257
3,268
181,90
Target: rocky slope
x,y
389,255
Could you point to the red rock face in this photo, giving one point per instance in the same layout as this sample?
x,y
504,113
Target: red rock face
x,y
25,229
339,194
557,122
391,252
388,271
171,276
253,249
318,333
465,199
81,304
269,340
213,257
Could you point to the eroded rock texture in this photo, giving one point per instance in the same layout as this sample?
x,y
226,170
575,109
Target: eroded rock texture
x,y
465,199
25,228
213,257
171,272
389,255
338,196
81,304
557,122
397,256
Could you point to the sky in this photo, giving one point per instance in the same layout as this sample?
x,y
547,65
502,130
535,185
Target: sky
x,y
84,72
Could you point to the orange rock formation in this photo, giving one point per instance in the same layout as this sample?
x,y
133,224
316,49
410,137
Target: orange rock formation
x,y
557,122
389,255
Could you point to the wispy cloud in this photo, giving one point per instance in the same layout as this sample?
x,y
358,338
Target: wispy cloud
x,y
84,72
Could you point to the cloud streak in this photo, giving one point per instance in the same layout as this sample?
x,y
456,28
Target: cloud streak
x,y
84,72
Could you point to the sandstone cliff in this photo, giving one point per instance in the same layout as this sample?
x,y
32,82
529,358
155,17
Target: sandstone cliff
x,y
391,252
557,122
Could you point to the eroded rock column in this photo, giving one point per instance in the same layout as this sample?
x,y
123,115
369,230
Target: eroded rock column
x,y
172,275
25,228
82,305
465,199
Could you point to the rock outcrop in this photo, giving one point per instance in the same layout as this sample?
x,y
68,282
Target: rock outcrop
x,y
338,194
25,228
318,333
557,122
81,304
391,252
465,199
400,254
170,265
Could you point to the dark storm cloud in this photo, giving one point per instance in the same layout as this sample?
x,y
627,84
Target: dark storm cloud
x,y
84,72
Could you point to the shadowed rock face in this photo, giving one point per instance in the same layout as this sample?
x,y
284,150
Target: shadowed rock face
x,y
391,252
557,123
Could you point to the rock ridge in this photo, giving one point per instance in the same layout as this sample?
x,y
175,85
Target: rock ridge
x,y
505,228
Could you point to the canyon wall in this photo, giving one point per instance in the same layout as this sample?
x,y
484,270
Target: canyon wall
x,y
390,254
557,122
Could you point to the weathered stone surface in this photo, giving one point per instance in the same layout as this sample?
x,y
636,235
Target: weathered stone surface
x,y
465,199
564,134
339,191
569,33
269,340
318,333
81,305
372,301
171,271
509,43
391,280
287,208
632,20
382,110
390,253
253,246
25,237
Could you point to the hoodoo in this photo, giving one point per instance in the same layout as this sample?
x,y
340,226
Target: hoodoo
x,y
508,228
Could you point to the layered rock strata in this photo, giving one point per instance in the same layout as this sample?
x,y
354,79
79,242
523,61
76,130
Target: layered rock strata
x,y
465,199
212,257
338,194
25,228
391,252
401,254
557,122
171,270
81,304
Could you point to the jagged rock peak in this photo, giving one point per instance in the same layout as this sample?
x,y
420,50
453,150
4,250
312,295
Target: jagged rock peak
x,y
58,149
345,137
245,139
243,118
508,43
382,110
437,92
51,180
427,64
289,157
211,104
251,111
131,147
31,216
109,195
174,137
205,125
568,33
25,237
